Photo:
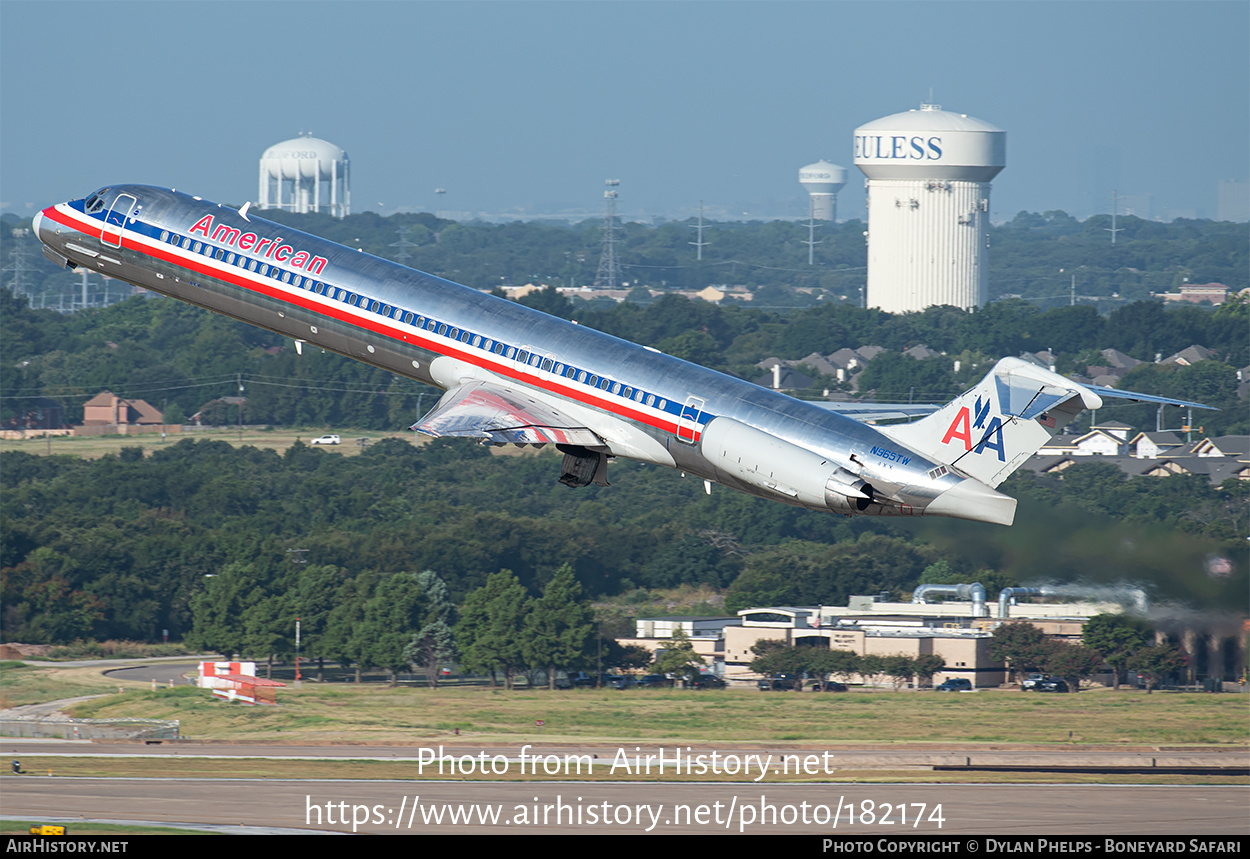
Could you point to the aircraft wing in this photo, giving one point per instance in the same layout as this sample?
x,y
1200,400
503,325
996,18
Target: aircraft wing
x,y
502,416
866,412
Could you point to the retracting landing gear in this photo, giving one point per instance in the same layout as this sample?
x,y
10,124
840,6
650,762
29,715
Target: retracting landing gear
x,y
582,466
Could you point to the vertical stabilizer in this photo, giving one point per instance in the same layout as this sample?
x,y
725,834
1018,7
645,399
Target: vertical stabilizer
x,y
989,431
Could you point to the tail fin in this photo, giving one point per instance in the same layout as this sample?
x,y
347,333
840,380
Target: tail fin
x,y
989,431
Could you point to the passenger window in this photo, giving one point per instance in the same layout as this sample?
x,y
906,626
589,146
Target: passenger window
x,y
466,336
523,358
164,235
570,372
627,393
638,395
453,333
264,269
581,375
442,329
252,265
186,243
498,348
603,386
409,317
650,399
663,405
286,277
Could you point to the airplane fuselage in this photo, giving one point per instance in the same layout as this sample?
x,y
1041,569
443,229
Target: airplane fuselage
x,y
634,401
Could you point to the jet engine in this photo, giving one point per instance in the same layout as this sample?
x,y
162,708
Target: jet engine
x,y
745,455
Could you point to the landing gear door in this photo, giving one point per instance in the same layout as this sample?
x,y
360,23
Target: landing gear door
x,y
688,425
115,220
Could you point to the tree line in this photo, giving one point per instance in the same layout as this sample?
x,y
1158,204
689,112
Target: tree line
x,y
121,546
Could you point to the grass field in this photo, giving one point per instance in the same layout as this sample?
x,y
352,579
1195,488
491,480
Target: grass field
x,y
379,713
279,439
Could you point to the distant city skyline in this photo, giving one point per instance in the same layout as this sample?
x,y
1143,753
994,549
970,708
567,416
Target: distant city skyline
x,y
523,109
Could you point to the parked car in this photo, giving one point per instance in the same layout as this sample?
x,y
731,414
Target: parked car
x,y
955,684
655,681
829,686
1051,684
621,681
326,439
705,681
1030,683
779,683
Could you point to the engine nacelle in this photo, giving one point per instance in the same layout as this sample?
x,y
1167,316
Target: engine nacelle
x,y
782,470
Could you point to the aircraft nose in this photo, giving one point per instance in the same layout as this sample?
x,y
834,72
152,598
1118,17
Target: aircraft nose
x,y
36,222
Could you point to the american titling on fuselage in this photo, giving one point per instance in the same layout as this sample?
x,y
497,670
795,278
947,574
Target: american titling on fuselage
x,y
513,375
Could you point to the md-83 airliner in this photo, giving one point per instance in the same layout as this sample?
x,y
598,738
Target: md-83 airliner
x,y
513,375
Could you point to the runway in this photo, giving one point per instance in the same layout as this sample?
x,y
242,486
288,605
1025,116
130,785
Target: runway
x,y
407,807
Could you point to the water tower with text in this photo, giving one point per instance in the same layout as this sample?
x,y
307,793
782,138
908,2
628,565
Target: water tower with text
x,y
929,173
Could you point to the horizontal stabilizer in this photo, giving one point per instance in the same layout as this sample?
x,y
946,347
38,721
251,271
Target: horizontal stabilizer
x,y
1145,398
502,416
867,412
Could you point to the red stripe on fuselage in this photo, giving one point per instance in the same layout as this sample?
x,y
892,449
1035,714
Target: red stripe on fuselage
x,y
78,222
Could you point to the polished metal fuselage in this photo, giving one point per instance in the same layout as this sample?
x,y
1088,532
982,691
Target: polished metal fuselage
x,y
644,404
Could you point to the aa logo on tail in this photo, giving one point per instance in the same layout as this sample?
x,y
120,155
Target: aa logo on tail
x,y
963,425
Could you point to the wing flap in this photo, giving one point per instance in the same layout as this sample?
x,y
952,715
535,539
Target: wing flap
x,y
502,416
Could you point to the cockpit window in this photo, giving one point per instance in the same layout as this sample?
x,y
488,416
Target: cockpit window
x,y
95,202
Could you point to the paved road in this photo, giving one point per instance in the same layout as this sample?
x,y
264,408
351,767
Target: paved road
x,y
1051,811
784,759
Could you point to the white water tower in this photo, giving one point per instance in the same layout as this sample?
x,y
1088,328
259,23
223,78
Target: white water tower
x,y
929,173
306,174
823,181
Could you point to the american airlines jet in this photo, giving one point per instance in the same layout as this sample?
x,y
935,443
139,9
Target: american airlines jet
x,y
513,375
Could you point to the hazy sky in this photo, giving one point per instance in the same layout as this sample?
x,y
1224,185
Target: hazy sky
x,y
528,107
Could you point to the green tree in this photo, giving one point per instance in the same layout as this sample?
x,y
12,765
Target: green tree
x,y
1157,663
492,621
1072,662
1117,637
900,669
926,666
1021,645
391,617
433,643
679,658
559,629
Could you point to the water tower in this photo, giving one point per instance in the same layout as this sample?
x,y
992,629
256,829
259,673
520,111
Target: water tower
x,y
929,173
823,181
306,174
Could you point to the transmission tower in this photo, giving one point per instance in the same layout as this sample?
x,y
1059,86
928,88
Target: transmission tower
x,y
608,275
18,264
700,244
402,255
1115,210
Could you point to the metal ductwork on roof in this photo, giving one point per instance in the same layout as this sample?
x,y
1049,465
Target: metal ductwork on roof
x,y
974,592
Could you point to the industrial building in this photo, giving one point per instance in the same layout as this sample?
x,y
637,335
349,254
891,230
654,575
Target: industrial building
x,y
955,622
928,178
